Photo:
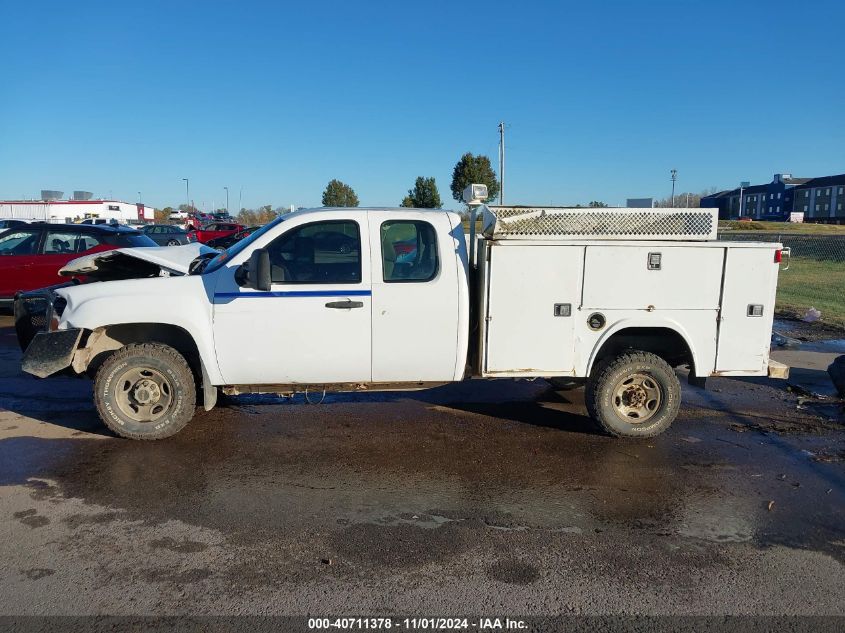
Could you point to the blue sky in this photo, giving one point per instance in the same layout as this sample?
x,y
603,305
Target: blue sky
x,y
601,99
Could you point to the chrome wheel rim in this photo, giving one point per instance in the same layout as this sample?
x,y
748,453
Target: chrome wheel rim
x,y
144,394
637,397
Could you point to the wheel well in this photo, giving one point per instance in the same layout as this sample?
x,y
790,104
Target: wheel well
x,y
99,343
661,341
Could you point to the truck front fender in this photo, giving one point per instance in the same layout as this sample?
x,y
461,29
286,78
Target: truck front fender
x,y
144,304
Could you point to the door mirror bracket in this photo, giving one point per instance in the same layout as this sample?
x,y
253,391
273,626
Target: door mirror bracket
x,y
255,272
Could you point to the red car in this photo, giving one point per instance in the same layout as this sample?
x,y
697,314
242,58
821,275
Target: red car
x,y
32,255
213,231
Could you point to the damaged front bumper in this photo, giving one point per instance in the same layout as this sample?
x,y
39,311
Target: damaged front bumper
x,y
50,352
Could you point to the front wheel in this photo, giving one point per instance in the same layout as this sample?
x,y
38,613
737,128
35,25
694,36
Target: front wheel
x,y
173,242
636,394
145,392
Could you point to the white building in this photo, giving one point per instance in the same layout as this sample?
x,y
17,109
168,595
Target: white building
x,y
59,211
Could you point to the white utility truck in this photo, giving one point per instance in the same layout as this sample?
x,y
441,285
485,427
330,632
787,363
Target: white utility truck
x,y
372,299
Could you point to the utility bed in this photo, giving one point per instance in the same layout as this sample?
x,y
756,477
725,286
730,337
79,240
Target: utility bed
x,y
555,284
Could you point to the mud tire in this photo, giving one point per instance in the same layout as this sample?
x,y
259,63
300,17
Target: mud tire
x,y
603,388
159,358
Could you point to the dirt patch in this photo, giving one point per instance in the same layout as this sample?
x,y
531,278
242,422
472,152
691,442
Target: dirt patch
x,y
398,546
37,573
182,547
514,572
101,518
186,577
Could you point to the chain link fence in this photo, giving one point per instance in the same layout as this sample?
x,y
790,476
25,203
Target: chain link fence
x,y
814,278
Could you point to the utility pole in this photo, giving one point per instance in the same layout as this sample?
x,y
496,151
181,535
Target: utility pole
x,y
501,163
187,194
240,194
674,173
227,200
139,197
687,199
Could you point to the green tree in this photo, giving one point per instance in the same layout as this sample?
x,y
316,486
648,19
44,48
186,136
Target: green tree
x,y
339,194
474,170
597,204
424,195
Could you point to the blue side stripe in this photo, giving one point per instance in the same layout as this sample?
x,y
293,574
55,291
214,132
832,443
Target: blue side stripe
x,y
295,293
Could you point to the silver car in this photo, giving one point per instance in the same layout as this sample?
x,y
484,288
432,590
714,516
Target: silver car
x,y
166,234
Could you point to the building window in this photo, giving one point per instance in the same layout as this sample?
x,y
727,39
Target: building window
x,y
840,191
805,208
827,207
778,208
778,195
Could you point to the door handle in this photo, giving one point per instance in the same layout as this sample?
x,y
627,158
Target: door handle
x,y
345,305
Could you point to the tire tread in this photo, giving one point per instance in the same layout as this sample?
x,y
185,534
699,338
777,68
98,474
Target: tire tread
x,y
163,352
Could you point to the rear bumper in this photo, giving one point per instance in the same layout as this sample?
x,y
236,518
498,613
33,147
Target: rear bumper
x,y
50,352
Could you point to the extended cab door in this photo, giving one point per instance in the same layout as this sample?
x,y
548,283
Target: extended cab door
x,y
313,326
415,297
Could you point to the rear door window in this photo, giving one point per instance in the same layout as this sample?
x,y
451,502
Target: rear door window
x,y
62,241
408,251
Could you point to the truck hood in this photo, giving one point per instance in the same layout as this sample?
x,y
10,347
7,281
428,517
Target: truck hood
x,y
131,263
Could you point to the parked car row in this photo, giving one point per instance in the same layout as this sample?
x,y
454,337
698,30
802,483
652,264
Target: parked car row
x,y
32,255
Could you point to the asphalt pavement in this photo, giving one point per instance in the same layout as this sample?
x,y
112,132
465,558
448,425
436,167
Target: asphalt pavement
x,y
476,498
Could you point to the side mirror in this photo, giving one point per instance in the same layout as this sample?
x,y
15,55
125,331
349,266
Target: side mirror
x,y
255,273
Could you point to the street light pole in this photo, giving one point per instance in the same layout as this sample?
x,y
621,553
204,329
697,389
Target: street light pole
x,y
501,162
139,197
742,186
187,195
227,200
674,173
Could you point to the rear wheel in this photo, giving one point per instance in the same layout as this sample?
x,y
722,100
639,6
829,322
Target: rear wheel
x,y
173,242
636,394
145,392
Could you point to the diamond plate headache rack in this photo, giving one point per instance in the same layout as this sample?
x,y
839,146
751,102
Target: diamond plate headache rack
x,y
539,223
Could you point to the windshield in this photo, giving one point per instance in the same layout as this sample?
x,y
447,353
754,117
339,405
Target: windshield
x,y
237,247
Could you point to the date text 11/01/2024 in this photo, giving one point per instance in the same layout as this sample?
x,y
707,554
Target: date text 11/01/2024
x,y
418,624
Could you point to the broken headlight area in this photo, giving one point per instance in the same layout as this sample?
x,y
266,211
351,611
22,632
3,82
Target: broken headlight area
x,y
38,311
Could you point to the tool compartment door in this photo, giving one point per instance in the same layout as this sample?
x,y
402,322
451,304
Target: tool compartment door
x,y
744,339
525,335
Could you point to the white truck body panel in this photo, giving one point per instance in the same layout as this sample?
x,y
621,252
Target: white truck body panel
x,y
744,341
521,280
617,277
288,335
415,325
181,301
525,282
